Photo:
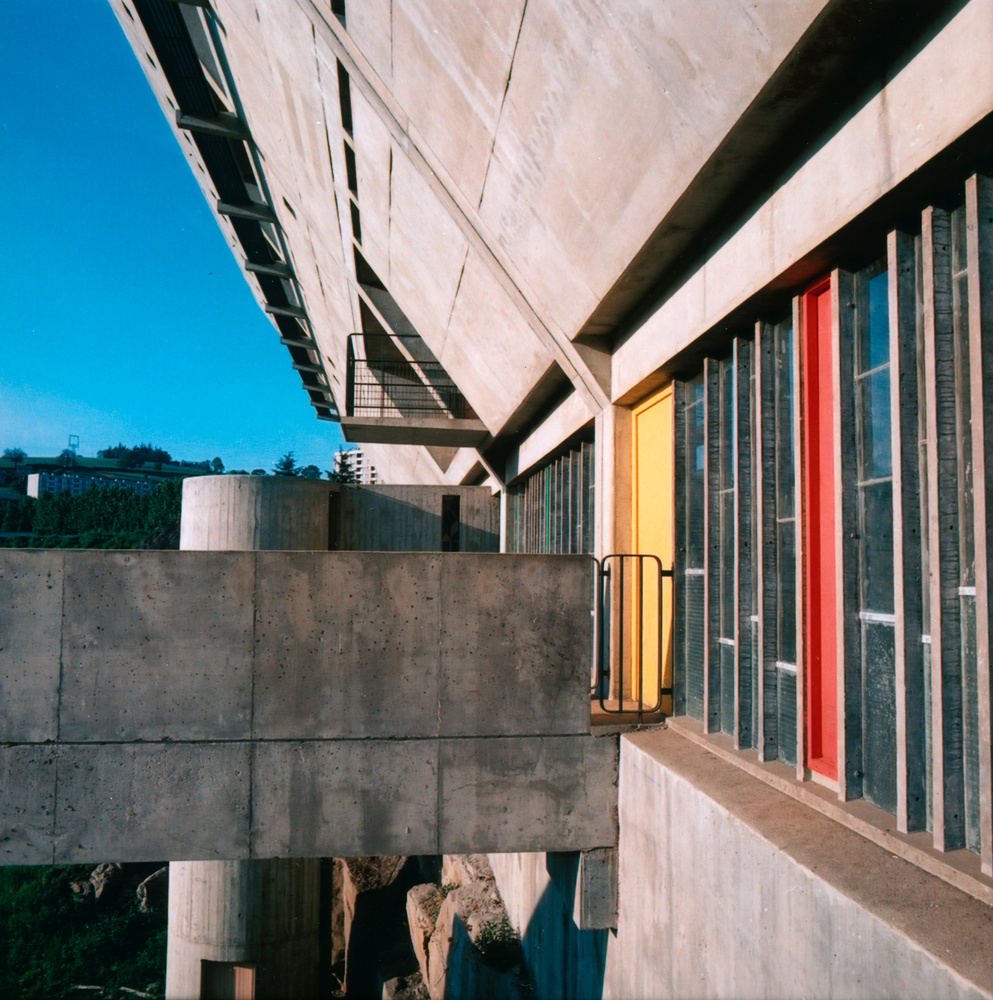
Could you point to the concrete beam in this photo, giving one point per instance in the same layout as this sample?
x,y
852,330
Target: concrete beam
x,y
307,345
209,705
595,902
415,430
275,269
223,124
254,211
294,312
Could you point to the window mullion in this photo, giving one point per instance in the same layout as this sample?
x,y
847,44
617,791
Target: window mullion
x,y
767,736
849,672
743,493
679,596
979,235
799,463
712,560
908,625
948,807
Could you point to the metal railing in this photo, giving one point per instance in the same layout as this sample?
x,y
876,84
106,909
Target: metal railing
x,y
398,383
633,658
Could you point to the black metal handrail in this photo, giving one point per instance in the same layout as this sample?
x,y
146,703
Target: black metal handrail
x,y
627,610
395,386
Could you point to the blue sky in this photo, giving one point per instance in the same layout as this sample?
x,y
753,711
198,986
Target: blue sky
x,y
124,315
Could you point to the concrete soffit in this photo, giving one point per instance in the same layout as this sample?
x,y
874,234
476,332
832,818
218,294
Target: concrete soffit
x,y
726,285
462,213
841,60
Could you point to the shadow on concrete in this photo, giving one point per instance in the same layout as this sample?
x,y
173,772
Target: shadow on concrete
x,y
565,961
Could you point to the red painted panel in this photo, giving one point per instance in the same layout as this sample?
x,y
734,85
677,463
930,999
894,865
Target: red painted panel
x,y
818,402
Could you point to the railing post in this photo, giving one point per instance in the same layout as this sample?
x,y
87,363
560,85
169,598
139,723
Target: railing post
x,y
350,379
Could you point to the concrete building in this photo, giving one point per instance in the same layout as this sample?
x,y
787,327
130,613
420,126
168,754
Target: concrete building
x,y
706,283
77,484
356,465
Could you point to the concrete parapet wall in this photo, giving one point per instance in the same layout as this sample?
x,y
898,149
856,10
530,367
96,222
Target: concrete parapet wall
x,y
730,888
202,705
409,519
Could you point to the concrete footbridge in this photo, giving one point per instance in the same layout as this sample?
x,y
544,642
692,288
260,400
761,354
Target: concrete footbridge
x,y
260,704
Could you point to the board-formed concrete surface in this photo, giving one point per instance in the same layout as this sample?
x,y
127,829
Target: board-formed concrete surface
x,y
199,705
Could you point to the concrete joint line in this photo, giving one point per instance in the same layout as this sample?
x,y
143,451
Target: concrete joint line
x,y
463,215
168,741
58,710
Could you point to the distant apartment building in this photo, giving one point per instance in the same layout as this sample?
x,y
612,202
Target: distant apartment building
x,y
77,483
354,463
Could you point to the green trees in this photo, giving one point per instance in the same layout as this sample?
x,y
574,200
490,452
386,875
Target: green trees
x,y
103,517
130,457
344,470
49,942
286,466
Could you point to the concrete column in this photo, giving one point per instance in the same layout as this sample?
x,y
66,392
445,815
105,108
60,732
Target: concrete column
x,y
258,920
245,513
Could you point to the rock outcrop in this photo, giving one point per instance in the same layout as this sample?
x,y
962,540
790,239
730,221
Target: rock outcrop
x,y
102,885
463,940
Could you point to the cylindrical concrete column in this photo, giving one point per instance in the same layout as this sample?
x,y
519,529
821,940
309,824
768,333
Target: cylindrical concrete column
x,y
247,928
232,921
245,513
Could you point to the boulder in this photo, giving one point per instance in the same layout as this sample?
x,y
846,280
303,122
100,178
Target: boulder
x,y
102,885
405,988
153,892
423,904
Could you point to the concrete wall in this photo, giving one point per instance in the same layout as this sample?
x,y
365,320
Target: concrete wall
x,y
243,513
408,518
192,706
730,888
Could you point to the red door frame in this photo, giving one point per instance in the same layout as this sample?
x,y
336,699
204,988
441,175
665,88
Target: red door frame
x,y
820,529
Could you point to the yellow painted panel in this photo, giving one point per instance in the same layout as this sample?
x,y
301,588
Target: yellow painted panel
x,y
652,492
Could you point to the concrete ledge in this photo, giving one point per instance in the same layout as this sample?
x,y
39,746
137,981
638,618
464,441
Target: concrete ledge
x,y
439,431
747,892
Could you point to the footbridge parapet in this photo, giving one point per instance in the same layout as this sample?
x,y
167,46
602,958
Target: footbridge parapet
x,y
229,705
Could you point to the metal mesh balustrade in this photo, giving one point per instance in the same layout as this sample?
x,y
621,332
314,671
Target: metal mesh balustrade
x,y
383,382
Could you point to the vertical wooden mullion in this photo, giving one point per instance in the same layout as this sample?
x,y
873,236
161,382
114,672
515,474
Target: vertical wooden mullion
x,y
948,785
849,645
679,548
711,548
764,492
979,217
799,519
742,458
911,802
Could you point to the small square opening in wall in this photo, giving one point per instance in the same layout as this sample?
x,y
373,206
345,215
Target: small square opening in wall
x,y
351,171
356,222
345,99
